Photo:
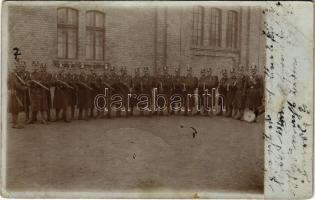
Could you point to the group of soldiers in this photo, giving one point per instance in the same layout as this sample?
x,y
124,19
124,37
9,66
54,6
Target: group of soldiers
x,y
40,92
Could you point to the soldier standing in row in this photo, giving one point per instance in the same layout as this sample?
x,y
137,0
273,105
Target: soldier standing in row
x,y
254,91
38,95
61,97
211,85
126,85
190,84
230,93
72,80
146,86
201,92
17,88
240,94
222,89
26,77
47,81
137,88
178,87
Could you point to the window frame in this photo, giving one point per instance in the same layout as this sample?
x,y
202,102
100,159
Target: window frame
x,y
215,21
94,29
66,27
198,26
232,29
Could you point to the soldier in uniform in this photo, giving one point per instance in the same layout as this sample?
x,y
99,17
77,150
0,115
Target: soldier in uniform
x,y
47,81
26,76
222,89
38,93
146,88
126,85
96,87
201,91
104,83
72,91
178,89
61,97
240,93
190,84
167,81
137,87
230,93
116,89
211,84
17,88
254,89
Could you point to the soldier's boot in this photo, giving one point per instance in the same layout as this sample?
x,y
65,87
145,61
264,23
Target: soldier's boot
x,y
27,115
42,115
15,123
237,115
57,115
241,115
131,111
86,114
64,116
72,112
33,118
48,115
80,114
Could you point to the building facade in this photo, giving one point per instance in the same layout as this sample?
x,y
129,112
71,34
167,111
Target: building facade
x,y
142,34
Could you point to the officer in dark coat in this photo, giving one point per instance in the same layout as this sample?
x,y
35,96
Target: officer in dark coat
x,y
230,93
178,89
61,96
239,101
190,84
254,90
38,93
222,89
17,88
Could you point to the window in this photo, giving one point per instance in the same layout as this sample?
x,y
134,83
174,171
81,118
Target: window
x,y
231,34
215,27
95,33
198,25
67,33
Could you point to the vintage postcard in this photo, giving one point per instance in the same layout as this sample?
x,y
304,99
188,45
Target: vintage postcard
x,y
141,99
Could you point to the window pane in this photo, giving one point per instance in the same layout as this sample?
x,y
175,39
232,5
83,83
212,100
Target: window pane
x,y
89,45
99,45
72,17
99,20
62,43
72,43
89,19
198,23
62,16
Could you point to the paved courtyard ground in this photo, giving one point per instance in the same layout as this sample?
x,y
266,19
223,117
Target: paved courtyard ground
x,y
137,154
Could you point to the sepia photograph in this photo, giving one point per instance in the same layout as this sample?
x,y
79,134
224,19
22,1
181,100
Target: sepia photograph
x,y
133,99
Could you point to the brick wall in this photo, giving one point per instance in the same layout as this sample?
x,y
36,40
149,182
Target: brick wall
x,y
136,36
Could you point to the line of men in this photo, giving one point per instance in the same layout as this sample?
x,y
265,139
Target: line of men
x,y
39,92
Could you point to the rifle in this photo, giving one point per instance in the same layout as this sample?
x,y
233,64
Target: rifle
x,y
41,85
65,84
85,85
107,85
